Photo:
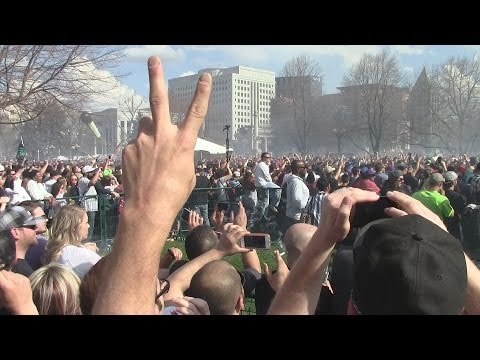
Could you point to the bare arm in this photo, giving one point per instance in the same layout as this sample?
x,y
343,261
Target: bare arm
x,y
227,245
129,287
299,295
250,259
472,306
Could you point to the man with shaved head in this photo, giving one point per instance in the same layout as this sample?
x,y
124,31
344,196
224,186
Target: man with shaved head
x,y
296,240
220,285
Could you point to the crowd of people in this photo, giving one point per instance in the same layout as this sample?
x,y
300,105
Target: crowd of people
x,y
410,258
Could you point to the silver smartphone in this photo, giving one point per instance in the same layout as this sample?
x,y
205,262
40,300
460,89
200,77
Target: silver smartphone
x,y
256,241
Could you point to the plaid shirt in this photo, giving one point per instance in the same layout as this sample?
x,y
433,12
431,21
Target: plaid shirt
x,y
475,183
314,206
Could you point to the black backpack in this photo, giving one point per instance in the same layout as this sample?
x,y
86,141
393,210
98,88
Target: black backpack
x,y
470,224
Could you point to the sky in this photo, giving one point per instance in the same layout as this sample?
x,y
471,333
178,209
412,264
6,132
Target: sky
x,y
334,60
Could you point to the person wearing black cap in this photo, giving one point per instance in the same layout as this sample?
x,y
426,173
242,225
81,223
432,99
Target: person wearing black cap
x,y
409,264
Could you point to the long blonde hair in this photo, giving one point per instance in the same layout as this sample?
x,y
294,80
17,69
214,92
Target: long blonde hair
x,y
63,231
56,290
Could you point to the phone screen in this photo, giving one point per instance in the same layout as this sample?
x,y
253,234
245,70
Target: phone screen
x,y
371,211
256,241
185,214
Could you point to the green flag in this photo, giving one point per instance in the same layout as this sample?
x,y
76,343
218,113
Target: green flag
x,y
21,153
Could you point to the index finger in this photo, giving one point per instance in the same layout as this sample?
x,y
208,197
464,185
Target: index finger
x,y
198,107
158,93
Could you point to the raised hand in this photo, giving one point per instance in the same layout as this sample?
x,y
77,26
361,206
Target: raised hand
x,y
276,280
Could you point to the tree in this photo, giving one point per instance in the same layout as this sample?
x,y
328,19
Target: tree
x,y
32,77
373,84
129,107
56,131
455,104
301,74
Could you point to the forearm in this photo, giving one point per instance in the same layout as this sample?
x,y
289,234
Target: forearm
x,y
472,306
251,260
180,279
130,285
301,291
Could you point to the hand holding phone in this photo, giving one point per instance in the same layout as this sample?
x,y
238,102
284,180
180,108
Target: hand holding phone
x,y
371,211
186,214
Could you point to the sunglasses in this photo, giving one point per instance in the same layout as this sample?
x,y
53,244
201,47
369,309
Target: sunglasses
x,y
31,227
164,288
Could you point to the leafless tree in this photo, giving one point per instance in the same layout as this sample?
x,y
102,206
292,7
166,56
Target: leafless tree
x,y
32,77
129,107
374,82
455,103
301,73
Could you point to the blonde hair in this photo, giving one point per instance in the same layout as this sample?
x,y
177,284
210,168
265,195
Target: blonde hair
x,y
55,290
63,231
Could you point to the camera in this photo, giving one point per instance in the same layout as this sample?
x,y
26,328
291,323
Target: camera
x,y
256,241
371,211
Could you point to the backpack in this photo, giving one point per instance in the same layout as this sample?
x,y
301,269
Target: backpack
x,y
470,223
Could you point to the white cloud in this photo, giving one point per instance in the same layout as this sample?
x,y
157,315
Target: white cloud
x,y
110,92
188,73
408,49
408,69
201,48
282,53
166,53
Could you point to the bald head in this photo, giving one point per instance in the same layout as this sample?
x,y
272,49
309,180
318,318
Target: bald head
x,y
219,284
296,240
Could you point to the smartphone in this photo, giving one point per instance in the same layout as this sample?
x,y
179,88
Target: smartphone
x,y
256,241
186,214
223,206
371,211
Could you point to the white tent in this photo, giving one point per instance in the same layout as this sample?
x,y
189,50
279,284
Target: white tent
x,y
61,158
208,146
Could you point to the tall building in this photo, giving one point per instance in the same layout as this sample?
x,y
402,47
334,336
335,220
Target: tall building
x,y
419,114
311,84
240,99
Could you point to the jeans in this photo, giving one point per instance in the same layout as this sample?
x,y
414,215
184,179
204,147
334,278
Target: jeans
x,y
203,211
91,222
266,197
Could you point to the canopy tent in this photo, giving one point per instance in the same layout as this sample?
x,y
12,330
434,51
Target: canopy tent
x,y
61,158
208,146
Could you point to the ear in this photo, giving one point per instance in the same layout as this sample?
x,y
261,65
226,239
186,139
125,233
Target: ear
x,y
240,304
15,233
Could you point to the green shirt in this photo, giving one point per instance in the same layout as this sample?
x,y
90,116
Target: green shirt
x,y
436,202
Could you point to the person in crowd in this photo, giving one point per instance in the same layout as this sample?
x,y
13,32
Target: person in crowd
x,y
268,193
395,182
433,197
458,202
380,176
296,239
35,252
64,246
365,182
15,290
297,194
72,190
55,289
385,273
21,225
199,198
88,194
314,204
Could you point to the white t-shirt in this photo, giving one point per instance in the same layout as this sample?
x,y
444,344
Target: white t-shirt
x,y
79,259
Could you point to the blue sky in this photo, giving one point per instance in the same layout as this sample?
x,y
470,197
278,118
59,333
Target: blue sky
x,y
334,60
